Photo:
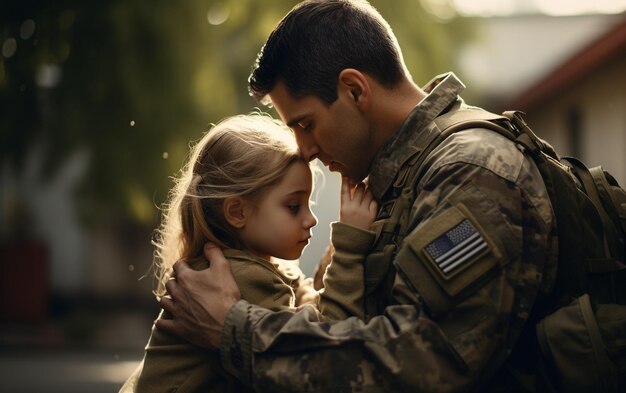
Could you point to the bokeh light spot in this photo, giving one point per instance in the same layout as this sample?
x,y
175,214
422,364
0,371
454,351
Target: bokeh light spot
x,y
166,155
218,14
48,75
27,29
9,47
440,9
132,123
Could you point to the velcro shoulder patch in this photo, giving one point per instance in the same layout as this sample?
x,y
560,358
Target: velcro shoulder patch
x,y
456,248
454,252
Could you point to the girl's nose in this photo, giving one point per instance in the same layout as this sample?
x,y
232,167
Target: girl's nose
x,y
310,220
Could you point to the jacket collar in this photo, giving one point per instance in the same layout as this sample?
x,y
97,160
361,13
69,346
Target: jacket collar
x,y
410,138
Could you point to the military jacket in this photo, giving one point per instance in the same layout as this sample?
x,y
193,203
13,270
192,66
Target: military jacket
x,y
479,249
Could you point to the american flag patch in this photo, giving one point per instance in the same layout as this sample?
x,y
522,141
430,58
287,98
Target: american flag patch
x,y
456,247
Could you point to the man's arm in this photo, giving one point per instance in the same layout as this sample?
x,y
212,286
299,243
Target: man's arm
x,y
200,300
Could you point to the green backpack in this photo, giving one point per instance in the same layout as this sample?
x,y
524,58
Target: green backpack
x,y
580,328
577,335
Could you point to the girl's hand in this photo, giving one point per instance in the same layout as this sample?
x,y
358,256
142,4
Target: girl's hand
x,y
358,207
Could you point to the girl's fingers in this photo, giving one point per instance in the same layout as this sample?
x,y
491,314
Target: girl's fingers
x,y
367,197
373,207
358,192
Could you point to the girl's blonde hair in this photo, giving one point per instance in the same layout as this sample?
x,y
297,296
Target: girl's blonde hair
x,y
240,156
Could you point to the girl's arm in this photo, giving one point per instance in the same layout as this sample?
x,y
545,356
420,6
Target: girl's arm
x,y
343,292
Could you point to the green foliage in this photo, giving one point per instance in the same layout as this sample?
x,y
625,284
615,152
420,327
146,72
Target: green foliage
x,y
138,80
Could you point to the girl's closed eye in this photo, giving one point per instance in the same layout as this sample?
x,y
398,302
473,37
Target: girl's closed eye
x,y
293,208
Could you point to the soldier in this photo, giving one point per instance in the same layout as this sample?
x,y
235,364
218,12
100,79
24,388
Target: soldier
x,y
465,234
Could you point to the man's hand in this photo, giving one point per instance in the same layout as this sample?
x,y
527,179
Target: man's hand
x,y
358,207
200,300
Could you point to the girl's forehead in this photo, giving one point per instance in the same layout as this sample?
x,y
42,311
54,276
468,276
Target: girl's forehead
x,y
296,179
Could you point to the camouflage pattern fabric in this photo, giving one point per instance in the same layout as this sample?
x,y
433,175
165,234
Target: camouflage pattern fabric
x,y
481,247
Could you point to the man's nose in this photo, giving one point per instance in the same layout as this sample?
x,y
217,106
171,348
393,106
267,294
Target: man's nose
x,y
308,148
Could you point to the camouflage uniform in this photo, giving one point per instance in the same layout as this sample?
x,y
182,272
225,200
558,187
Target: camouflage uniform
x,y
480,248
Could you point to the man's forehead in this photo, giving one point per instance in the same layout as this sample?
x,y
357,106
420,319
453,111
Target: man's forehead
x,y
280,95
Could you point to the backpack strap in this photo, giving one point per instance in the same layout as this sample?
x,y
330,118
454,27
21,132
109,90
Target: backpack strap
x,y
510,124
527,137
588,183
597,189
613,198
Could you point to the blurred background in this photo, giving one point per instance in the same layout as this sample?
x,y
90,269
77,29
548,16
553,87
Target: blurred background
x,y
100,100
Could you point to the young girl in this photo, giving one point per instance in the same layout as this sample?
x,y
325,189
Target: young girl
x,y
246,189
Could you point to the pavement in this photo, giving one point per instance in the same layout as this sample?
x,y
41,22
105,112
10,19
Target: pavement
x,y
65,371
92,352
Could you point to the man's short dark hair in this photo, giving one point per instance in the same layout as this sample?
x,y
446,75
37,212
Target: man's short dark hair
x,y
318,39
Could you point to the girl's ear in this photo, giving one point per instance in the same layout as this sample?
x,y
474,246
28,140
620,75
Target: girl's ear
x,y
234,212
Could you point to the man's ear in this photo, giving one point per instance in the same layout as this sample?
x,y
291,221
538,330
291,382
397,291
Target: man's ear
x,y
353,83
234,212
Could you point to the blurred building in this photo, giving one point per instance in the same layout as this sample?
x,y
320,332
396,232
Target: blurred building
x,y
580,105
567,73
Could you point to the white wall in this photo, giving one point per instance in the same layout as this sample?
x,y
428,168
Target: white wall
x,y
326,209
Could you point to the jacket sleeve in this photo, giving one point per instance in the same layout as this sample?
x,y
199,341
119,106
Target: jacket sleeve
x,y
171,363
437,335
342,295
